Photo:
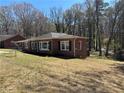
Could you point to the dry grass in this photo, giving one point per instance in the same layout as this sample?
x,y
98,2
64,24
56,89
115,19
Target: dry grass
x,y
33,74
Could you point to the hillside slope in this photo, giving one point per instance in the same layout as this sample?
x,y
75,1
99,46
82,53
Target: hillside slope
x,y
33,74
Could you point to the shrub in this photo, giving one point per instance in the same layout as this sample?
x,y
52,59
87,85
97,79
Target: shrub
x,y
119,54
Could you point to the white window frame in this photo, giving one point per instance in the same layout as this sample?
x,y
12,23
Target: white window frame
x,y
41,45
32,45
66,44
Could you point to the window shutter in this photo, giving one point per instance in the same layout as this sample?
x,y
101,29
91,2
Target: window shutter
x,y
29,44
37,46
69,45
59,45
49,45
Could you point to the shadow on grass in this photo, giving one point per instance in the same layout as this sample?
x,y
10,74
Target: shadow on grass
x,y
76,82
83,82
51,55
119,67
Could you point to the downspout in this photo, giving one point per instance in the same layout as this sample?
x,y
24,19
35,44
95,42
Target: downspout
x,y
74,47
51,47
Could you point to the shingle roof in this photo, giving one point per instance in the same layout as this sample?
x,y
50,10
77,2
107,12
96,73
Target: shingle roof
x,y
52,35
5,37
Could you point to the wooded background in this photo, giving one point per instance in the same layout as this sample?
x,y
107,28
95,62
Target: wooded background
x,y
102,23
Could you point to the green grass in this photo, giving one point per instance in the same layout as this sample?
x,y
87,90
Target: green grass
x,y
26,73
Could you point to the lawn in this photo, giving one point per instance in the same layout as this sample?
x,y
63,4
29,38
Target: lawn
x,y
25,73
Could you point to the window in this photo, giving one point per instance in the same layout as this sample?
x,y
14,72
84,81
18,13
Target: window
x,y
26,45
32,45
44,45
64,45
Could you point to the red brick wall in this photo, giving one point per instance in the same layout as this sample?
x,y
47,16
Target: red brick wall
x,y
56,48
83,51
8,43
78,53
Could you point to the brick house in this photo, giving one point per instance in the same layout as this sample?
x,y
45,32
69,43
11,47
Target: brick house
x,y
6,40
58,44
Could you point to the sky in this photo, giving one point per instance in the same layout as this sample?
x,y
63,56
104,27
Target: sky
x,y
45,5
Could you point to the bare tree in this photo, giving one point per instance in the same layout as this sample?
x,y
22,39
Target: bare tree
x,y
29,19
90,16
56,16
6,19
113,22
39,24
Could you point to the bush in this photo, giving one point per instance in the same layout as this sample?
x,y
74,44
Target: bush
x,y
119,55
